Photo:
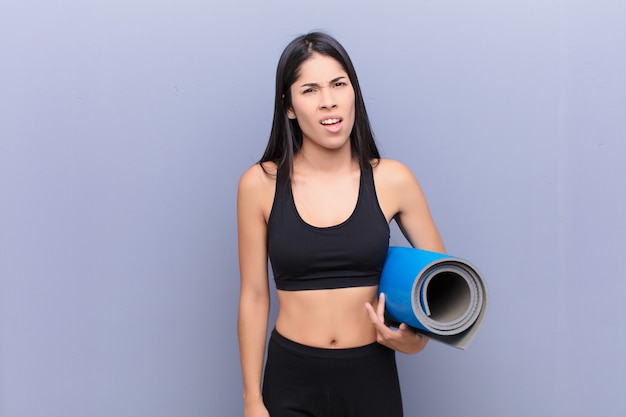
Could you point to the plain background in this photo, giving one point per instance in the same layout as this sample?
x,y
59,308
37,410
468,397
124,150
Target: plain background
x,y
124,128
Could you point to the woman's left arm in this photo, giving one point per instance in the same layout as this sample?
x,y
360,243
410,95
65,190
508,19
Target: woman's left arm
x,y
401,195
411,209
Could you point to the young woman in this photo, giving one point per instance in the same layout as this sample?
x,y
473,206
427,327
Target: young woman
x,y
318,204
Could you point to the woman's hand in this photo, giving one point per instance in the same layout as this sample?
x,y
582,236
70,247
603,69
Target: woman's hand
x,y
403,340
255,409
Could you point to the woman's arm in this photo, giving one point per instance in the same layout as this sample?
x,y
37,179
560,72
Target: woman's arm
x,y
412,212
254,299
401,196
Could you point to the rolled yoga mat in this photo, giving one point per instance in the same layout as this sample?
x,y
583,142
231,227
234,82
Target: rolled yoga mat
x,y
440,296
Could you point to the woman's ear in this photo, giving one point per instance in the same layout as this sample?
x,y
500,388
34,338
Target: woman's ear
x,y
291,114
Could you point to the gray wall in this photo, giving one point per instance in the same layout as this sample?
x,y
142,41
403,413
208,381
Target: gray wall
x,y
124,127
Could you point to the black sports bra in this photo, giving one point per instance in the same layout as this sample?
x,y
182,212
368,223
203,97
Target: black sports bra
x,y
350,254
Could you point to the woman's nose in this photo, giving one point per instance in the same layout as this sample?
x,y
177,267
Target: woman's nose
x,y
327,99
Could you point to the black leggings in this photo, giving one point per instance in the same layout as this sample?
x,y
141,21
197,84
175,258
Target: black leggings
x,y
304,381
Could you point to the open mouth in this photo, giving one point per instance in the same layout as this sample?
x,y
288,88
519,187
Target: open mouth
x,y
328,122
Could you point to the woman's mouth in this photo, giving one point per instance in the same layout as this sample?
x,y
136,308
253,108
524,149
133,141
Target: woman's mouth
x,y
332,124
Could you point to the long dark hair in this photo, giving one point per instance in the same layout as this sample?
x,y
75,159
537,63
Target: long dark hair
x,y
286,137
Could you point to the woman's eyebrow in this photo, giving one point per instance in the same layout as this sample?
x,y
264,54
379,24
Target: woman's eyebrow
x,y
334,80
310,85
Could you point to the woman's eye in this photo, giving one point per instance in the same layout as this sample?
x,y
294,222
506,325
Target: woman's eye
x,y
308,90
340,84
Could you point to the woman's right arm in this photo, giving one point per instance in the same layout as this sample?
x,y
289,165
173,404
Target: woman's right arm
x,y
254,298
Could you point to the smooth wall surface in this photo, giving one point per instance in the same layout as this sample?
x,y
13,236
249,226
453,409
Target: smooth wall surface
x,y
124,127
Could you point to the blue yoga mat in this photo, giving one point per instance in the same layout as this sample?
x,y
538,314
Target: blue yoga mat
x,y
440,296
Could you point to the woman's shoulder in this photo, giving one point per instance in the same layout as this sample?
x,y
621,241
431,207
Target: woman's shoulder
x,y
258,174
391,171
259,179
388,164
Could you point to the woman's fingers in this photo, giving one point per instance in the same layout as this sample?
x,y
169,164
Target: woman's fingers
x,y
380,308
404,339
378,316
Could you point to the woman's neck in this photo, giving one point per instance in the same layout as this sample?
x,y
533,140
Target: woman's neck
x,y
331,161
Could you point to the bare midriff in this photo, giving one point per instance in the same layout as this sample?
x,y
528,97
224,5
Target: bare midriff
x,y
334,318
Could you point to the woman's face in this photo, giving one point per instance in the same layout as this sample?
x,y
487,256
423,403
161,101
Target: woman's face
x,y
323,102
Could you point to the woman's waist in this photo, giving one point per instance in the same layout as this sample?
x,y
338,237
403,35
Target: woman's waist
x,y
324,352
327,318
